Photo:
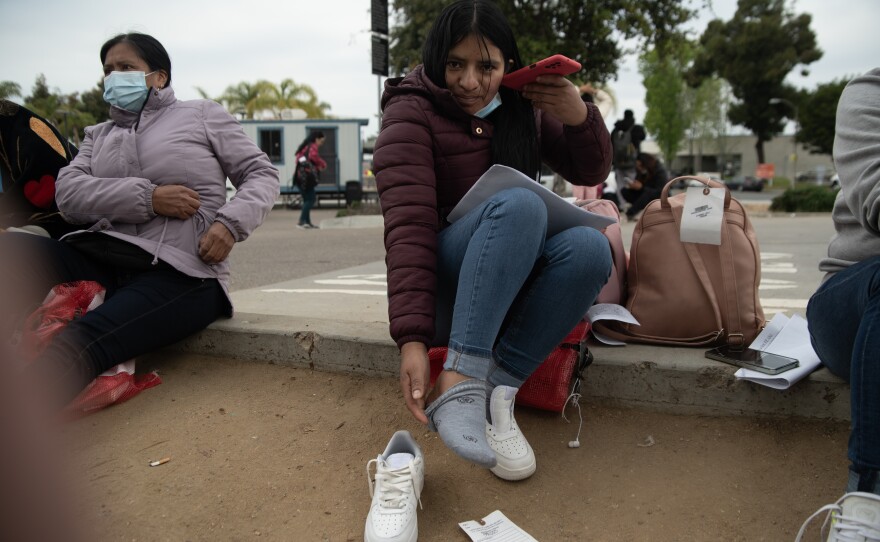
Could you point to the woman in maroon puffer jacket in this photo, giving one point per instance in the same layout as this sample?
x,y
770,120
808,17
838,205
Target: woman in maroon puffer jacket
x,y
491,285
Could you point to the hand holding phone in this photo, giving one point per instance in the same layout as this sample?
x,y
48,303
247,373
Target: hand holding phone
x,y
554,65
756,360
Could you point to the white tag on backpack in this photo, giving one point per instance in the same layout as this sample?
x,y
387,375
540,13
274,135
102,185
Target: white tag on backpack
x,y
702,215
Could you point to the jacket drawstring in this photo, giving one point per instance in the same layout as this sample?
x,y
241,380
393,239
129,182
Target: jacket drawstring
x,y
159,246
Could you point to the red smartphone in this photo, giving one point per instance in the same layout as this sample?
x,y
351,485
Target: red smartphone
x,y
556,64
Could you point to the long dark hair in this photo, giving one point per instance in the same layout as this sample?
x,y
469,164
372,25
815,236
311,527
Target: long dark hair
x,y
147,48
309,140
515,139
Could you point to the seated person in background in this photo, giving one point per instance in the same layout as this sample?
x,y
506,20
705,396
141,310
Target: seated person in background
x,y
844,313
150,187
650,179
31,153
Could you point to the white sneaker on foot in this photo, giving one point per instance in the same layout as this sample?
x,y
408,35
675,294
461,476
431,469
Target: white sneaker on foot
x,y
854,517
516,459
400,477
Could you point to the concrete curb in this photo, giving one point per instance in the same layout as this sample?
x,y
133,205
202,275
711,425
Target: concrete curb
x,y
675,380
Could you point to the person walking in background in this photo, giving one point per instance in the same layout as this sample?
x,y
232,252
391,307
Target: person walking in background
x,y
309,150
843,314
149,189
650,178
626,141
486,285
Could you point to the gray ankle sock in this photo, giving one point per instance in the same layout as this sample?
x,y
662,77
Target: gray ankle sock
x,y
459,416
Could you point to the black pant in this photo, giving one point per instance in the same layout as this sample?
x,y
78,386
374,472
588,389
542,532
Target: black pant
x,y
639,199
142,310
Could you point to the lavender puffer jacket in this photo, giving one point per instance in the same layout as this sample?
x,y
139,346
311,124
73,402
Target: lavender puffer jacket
x,y
197,144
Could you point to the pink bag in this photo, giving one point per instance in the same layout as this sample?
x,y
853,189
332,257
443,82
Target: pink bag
x,y
586,192
614,290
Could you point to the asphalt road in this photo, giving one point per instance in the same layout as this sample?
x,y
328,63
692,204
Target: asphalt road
x,y
791,247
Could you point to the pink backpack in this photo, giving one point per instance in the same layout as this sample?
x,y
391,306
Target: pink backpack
x,y
615,289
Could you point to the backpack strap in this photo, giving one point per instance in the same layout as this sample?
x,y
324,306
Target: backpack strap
x,y
728,278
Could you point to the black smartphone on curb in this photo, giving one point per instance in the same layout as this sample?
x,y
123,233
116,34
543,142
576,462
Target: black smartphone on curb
x,y
755,360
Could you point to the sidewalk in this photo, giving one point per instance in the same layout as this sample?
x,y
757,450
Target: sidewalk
x,y
338,322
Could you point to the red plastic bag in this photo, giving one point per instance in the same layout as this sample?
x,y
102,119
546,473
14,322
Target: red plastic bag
x,y
65,303
110,389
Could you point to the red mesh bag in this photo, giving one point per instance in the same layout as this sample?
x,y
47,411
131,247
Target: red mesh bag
x,y
65,303
549,386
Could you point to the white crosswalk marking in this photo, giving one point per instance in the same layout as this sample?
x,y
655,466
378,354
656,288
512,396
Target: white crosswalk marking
x,y
775,263
321,291
372,279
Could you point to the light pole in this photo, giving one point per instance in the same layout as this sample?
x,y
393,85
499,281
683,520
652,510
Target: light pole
x,y
774,101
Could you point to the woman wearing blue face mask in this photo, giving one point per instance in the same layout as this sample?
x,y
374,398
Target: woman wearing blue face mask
x,y
149,189
491,285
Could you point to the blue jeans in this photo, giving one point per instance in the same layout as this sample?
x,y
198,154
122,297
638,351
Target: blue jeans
x,y
506,294
308,195
844,322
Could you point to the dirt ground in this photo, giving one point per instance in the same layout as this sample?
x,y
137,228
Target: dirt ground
x,y
266,452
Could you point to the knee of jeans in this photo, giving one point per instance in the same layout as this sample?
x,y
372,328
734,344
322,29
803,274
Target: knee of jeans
x,y
524,204
592,252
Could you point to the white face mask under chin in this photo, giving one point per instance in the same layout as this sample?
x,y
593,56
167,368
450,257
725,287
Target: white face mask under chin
x,y
489,107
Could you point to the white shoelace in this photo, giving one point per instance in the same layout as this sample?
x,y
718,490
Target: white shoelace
x,y
844,527
394,486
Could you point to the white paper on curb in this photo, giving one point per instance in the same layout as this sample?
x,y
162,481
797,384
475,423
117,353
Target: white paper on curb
x,y
495,527
788,337
609,311
561,214
702,215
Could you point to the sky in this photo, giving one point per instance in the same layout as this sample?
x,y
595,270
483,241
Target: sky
x,y
324,44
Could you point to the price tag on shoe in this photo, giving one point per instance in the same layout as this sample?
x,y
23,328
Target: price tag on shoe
x,y
495,527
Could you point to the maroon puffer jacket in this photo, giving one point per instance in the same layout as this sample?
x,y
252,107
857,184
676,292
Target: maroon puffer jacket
x,y
427,156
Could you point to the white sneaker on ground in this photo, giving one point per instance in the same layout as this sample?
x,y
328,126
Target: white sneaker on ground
x,y
855,517
400,477
516,459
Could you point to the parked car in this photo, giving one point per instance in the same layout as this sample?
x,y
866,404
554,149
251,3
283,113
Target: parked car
x,y
746,183
816,175
711,175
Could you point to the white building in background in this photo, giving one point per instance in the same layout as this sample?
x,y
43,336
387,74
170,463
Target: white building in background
x,y
342,149
736,155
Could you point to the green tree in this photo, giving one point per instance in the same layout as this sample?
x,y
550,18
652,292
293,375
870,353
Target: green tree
x,y
9,89
666,96
290,95
69,113
246,99
754,52
92,102
590,32
708,107
817,112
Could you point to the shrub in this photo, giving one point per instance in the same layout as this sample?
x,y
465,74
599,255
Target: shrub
x,y
805,199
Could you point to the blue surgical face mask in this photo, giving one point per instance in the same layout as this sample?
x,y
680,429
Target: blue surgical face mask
x,y
489,107
127,90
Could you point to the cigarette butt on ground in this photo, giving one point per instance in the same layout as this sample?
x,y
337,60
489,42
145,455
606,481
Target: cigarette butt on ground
x,y
160,462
